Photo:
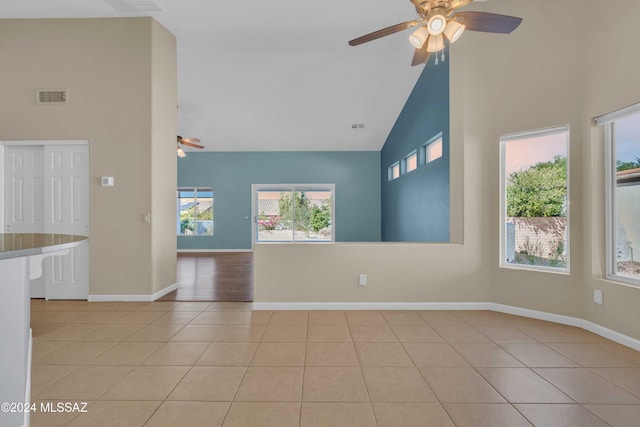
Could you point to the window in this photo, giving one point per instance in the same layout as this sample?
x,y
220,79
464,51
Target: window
x,y
411,162
301,213
433,149
622,130
534,200
394,171
194,212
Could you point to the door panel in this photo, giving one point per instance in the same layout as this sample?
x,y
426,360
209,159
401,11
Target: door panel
x,y
24,190
65,174
24,197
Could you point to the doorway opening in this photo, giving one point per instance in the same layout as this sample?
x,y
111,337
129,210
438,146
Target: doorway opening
x,y
213,276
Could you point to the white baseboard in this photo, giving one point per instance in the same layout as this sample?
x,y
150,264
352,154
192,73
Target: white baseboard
x,y
501,308
205,251
132,297
370,306
164,291
570,321
611,335
535,314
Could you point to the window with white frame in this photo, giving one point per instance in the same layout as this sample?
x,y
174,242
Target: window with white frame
x,y
622,141
432,150
534,200
411,162
394,171
300,213
194,211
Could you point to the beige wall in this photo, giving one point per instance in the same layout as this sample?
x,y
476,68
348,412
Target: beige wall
x,y
551,71
106,65
612,82
530,79
396,273
164,96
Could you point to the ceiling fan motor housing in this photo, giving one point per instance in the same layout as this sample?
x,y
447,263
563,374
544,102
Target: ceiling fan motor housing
x,y
437,21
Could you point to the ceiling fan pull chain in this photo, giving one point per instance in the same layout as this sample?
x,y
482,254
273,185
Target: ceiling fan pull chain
x,y
436,58
443,59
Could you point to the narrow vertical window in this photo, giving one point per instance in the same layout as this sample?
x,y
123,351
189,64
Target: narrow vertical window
x,y
534,200
622,130
194,212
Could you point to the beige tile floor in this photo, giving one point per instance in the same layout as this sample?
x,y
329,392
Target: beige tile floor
x,y
221,364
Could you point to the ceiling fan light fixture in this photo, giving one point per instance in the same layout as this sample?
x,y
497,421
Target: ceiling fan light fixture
x,y
419,37
181,153
435,43
436,25
454,30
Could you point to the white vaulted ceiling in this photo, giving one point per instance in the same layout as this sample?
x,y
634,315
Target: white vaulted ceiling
x,y
275,75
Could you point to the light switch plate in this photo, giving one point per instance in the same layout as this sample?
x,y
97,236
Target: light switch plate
x,y
597,296
106,181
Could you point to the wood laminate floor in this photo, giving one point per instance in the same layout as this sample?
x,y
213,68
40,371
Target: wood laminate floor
x,y
224,276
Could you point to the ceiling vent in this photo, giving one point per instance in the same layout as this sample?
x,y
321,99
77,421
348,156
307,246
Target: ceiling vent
x,y
51,96
134,5
357,126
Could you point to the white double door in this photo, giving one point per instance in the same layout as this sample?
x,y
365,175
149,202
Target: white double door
x,y
46,191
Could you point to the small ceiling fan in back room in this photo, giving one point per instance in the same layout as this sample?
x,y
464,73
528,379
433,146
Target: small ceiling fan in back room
x,y
438,21
190,142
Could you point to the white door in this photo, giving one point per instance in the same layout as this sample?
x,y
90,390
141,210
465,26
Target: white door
x,y
24,194
63,208
66,212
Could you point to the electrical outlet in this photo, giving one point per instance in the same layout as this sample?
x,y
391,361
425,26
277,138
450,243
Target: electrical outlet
x,y
362,280
597,296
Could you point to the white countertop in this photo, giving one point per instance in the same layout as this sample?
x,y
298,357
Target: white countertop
x,y
14,245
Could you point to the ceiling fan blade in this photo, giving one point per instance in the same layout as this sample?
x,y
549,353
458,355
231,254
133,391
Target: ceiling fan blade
x,y
189,139
191,144
420,56
489,22
383,32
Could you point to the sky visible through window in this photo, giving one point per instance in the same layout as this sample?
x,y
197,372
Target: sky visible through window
x,y
530,151
627,138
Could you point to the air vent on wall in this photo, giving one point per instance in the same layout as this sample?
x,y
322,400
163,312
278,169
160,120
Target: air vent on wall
x,y
134,5
51,96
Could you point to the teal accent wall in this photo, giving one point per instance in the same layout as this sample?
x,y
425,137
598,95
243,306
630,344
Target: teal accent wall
x,y
356,176
415,207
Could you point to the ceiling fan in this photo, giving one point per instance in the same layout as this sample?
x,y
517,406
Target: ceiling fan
x,y
190,142
437,19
